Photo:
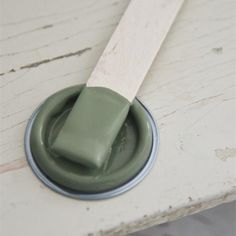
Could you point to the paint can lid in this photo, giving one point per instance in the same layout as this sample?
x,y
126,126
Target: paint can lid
x,y
131,157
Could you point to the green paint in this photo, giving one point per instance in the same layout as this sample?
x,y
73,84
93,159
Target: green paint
x,y
128,154
92,126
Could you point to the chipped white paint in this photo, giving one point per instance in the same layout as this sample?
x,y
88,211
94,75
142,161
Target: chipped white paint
x,y
226,153
48,45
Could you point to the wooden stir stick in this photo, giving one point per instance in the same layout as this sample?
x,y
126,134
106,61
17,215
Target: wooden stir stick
x,y
103,105
133,46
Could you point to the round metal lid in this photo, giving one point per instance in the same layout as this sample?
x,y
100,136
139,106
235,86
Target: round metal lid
x,y
74,193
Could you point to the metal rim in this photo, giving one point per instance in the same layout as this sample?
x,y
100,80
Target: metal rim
x,y
95,196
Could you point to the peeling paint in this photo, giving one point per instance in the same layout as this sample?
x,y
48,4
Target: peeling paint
x,y
217,50
38,63
224,154
166,216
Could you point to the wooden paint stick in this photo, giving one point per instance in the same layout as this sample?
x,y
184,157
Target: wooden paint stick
x,y
102,107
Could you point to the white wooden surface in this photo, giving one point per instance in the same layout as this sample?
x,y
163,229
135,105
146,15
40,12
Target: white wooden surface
x,y
48,45
133,46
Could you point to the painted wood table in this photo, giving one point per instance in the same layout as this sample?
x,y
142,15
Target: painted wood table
x,y
48,45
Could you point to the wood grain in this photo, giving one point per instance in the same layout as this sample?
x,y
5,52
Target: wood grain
x,y
190,90
133,46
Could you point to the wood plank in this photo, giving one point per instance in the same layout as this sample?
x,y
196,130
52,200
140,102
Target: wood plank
x,y
190,90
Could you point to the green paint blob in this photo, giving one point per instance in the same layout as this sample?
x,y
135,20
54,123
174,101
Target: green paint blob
x,y
126,157
92,126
